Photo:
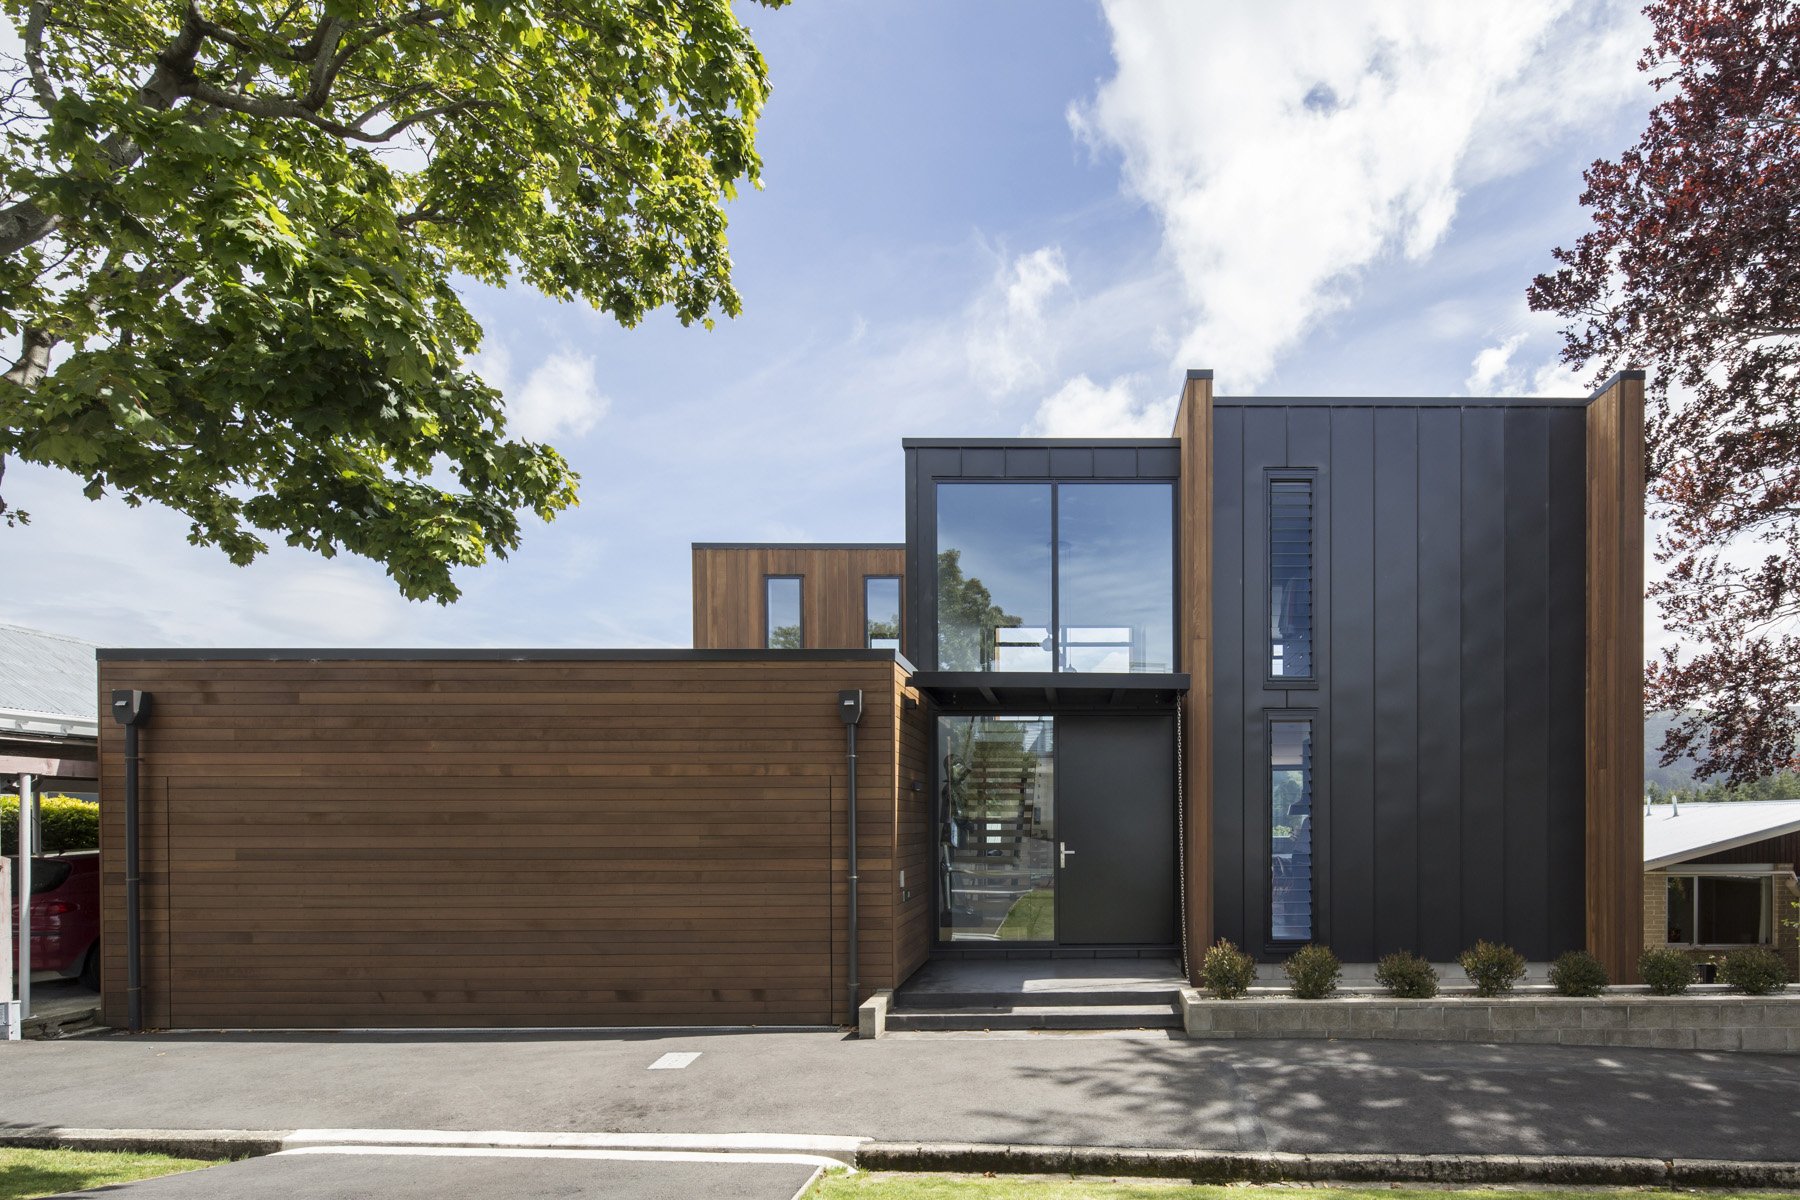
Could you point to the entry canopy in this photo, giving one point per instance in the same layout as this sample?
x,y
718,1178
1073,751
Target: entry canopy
x,y
1017,689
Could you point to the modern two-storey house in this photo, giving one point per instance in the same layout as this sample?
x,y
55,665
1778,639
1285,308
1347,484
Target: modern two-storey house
x,y
1350,670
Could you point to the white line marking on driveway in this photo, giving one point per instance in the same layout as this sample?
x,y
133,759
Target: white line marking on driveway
x,y
670,1156
675,1060
836,1147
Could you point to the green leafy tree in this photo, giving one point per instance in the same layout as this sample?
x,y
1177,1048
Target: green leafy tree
x,y
231,234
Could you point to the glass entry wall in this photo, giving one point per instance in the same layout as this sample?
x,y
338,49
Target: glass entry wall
x,y
994,577
1055,577
1115,577
997,834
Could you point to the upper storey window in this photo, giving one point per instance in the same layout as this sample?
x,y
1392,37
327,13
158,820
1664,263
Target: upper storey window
x,y
781,610
1291,578
1056,577
993,576
881,612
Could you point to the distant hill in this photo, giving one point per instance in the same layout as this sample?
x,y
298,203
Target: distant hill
x,y
1678,775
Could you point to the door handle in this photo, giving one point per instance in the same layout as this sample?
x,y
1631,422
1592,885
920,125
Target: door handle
x,y
1063,854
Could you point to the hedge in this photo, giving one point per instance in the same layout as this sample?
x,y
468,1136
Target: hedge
x,y
67,824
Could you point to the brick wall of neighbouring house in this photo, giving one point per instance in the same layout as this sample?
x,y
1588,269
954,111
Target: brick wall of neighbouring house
x,y
1656,908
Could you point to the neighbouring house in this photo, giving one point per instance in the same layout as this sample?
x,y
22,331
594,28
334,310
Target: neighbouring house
x,y
1719,876
1364,671
47,711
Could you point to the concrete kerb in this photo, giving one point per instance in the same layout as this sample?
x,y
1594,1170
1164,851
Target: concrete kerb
x,y
177,1143
1201,1166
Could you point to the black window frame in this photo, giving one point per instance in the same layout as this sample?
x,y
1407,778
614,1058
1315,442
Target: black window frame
x,y
800,590
1271,477
900,614
1273,945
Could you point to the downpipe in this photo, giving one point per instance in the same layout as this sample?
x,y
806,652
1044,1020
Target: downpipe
x,y
130,708
850,712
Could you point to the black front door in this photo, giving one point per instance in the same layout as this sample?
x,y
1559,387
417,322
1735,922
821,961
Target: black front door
x,y
1115,830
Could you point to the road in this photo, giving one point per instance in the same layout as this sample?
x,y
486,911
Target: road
x,y
1306,1096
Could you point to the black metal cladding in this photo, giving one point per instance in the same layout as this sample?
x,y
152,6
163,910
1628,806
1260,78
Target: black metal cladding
x,y
1449,626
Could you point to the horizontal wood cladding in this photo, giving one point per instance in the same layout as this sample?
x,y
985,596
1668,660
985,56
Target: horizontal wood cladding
x,y
729,594
379,844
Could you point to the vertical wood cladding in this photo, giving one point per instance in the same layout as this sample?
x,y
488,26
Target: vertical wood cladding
x,y
1194,654
1449,638
730,598
574,841
1614,766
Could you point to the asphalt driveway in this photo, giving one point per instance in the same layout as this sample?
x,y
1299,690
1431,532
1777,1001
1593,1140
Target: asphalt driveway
x,y
1313,1096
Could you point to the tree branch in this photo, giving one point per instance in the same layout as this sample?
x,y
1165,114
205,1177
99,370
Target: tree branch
x,y
35,19
33,362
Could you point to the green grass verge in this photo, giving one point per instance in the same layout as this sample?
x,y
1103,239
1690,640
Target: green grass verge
x,y
28,1173
871,1185
1032,918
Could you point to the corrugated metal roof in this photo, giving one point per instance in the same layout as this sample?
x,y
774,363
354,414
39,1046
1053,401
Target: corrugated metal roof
x,y
47,673
1706,828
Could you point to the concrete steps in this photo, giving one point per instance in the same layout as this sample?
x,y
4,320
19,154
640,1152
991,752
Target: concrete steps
x,y
1080,1015
1047,994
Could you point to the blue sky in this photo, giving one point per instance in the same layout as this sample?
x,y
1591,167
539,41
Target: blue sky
x,y
978,219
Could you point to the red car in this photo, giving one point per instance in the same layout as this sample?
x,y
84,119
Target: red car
x,y
65,916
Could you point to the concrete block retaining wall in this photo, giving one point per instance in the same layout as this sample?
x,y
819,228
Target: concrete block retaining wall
x,y
1708,1022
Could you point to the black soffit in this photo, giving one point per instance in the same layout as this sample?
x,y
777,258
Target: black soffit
x,y
1006,689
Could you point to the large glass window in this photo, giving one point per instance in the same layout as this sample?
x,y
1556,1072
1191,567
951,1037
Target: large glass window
x,y
1719,910
1290,579
782,608
881,612
1092,561
993,569
1290,831
1115,577
998,829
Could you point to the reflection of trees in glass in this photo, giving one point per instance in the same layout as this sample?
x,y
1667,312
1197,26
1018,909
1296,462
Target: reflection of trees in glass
x,y
967,618
1285,786
784,637
884,629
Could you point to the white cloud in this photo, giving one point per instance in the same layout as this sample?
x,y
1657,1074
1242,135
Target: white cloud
x,y
1125,407
1285,149
1492,373
560,398
1008,340
1491,365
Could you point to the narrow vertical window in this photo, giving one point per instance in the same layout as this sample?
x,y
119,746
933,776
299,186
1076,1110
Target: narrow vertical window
x,y
783,630
881,612
1290,831
1291,579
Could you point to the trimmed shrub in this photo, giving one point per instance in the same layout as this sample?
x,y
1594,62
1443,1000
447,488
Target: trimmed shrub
x,y
1406,975
1227,971
1313,972
67,823
1666,971
1755,970
1578,973
1492,967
